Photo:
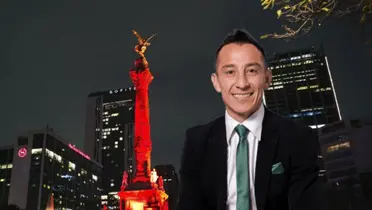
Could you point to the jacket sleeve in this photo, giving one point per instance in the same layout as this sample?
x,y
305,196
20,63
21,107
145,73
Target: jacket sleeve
x,y
304,184
190,196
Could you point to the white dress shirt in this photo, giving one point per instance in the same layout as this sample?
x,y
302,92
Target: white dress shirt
x,y
254,125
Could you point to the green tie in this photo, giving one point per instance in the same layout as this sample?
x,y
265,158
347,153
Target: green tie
x,y
242,169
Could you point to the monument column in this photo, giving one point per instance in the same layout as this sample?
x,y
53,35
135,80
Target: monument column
x,y
142,139
146,189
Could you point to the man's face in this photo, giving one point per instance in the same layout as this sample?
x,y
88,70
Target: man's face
x,y
241,77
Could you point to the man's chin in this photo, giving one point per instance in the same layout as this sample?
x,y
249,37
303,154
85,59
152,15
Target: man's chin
x,y
247,111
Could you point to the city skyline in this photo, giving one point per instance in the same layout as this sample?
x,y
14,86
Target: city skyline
x,y
51,62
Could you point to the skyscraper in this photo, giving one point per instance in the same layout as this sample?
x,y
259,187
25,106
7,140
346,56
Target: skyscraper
x,y
43,164
302,88
109,137
347,153
6,165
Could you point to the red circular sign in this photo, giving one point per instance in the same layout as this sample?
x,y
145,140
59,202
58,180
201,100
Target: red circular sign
x,y
22,152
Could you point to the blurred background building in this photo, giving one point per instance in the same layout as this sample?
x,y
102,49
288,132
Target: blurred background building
x,y
171,183
43,164
346,148
6,166
302,88
109,137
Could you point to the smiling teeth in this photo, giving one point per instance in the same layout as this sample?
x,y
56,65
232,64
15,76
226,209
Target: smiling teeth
x,y
242,94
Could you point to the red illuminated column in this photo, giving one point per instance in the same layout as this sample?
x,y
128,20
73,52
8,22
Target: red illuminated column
x,y
142,142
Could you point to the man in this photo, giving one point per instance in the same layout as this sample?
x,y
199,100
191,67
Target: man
x,y
251,158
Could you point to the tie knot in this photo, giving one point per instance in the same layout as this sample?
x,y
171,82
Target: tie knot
x,y
241,130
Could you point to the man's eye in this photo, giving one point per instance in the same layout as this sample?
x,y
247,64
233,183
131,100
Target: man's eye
x,y
252,71
229,72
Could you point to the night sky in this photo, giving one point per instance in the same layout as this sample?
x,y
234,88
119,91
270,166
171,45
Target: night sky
x,y
53,53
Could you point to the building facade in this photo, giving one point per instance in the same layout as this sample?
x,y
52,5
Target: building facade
x,y
302,88
171,183
44,165
6,166
109,138
346,149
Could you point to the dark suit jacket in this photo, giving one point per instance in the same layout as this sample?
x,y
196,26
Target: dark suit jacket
x,y
204,167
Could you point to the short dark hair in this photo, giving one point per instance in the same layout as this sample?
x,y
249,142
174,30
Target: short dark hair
x,y
241,36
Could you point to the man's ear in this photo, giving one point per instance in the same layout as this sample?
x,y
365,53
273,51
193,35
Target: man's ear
x,y
268,78
216,84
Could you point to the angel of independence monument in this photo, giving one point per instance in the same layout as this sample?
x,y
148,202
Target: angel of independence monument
x,y
145,190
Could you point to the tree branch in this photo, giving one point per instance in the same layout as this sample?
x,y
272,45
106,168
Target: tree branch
x,y
302,15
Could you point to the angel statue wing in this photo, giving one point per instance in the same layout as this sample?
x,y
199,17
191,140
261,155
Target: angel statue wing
x,y
147,43
140,39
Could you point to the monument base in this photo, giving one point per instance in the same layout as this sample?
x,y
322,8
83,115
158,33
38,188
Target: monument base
x,y
150,198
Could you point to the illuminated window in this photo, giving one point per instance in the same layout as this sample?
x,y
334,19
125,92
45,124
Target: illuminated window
x,y
336,147
71,165
49,153
84,172
37,151
58,158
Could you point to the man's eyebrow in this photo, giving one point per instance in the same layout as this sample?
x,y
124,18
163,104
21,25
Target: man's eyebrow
x,y
245,66
228,66
252,64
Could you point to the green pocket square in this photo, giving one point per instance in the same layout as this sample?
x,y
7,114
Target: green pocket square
x,y
277,168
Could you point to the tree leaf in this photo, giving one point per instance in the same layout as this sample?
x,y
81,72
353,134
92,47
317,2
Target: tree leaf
x,y
264,36
363,18
279,13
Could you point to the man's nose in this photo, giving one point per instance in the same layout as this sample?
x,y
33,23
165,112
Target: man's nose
x,y
242,81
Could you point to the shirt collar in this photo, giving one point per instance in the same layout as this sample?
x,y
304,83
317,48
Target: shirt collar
x,y
253,123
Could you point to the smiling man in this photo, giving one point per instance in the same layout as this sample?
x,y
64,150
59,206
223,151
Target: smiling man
x,y
250,158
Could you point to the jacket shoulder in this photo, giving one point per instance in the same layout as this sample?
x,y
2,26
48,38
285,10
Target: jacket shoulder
x,y
202,131
194,147
297,135
291,126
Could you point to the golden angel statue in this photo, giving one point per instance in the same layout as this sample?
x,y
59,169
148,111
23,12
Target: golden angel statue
x,y
142,45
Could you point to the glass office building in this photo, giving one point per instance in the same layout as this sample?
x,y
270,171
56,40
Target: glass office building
x,y
6,166
44,165
302,88
109,138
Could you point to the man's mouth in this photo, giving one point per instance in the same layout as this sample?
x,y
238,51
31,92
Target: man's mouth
x,y
242,95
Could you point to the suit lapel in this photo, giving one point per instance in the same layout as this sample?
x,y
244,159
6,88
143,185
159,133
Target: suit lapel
x,y
265,157
219,159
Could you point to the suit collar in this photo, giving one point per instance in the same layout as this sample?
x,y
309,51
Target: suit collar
x,y
267,149
266,152
219,153
253,123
